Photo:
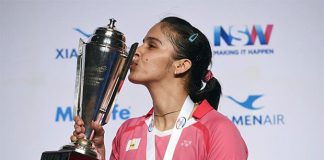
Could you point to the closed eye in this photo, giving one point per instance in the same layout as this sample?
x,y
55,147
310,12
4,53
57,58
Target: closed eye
x,y
151,42
151,45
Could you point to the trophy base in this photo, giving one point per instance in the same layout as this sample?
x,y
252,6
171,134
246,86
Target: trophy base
x,y
83,149
65,155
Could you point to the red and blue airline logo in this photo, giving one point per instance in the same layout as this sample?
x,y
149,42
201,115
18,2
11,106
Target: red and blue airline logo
x,y
243,35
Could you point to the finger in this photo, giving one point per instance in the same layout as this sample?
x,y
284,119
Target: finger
x,y
76,126
80,136
73,138
78,121
78,130
76,118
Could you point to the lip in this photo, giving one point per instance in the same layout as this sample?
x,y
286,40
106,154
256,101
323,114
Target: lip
x,y
133,65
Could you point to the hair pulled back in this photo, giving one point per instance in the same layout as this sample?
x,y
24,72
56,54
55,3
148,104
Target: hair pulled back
x,y
197,49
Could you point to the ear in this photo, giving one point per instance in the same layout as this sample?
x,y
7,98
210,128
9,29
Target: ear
x,y
182,66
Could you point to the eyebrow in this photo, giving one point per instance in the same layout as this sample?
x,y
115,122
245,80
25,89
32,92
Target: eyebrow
x,y
152,39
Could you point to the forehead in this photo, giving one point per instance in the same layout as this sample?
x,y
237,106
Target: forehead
x,y
157,33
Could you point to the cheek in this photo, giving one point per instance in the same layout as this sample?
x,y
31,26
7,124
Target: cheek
x,y
146,58
150,69
154,63
158,66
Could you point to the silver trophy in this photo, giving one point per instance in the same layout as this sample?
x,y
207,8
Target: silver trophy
x,y
102,66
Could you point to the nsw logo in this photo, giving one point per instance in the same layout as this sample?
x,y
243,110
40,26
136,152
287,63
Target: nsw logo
x,y
243,40
242,35
255,118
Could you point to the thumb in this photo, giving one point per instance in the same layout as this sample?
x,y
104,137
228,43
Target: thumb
x,y
99,133
98,139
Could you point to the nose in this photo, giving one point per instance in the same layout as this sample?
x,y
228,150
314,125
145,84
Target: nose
x,y
136,55
137,52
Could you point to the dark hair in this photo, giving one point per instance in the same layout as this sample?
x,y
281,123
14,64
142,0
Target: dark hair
x,y
190,43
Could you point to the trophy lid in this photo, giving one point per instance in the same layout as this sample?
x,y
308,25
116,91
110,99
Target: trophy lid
x,y
109,37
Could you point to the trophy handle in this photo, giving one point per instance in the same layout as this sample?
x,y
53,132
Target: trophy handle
x,y
79,79
120,82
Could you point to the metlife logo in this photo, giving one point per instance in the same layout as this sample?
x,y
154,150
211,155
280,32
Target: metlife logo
x,y
70,53
65,113
258,115
243,40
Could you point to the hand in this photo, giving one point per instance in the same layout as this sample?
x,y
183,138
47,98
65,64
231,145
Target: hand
x,y
78,129
98,139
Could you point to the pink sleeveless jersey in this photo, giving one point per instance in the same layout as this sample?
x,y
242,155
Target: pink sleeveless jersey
x,y
210,136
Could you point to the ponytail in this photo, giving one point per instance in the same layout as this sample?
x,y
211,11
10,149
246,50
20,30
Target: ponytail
x,y
211,92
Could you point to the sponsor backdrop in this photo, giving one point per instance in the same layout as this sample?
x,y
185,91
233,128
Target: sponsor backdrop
x,y
266,54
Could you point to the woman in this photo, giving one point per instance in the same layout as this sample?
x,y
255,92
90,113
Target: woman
x,y
173,63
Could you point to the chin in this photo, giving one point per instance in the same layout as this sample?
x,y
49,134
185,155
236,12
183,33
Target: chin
x,y
133,79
